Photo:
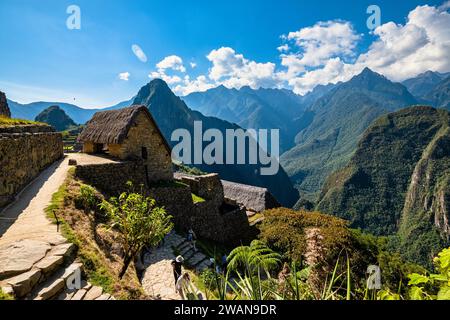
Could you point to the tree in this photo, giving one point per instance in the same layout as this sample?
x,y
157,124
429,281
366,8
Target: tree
x,y
139,220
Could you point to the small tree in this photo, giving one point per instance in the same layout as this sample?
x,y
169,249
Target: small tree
x,y
139,220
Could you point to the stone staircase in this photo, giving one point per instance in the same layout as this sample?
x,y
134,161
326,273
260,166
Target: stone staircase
x,y
37,270
192,259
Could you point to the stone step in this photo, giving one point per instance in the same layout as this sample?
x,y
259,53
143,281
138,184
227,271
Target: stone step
x,y
183,246
190,254
93,293
23,283
185,252
205,264
79,295
196,259
105,296
55,284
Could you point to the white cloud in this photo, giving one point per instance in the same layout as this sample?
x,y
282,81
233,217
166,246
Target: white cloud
x,y
124,76
233,70
283,48
193,65
444,6
188,86
139,53
404,51
326,52
319,43
399,52
172,62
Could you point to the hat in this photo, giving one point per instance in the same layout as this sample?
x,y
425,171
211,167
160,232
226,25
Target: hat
x,y
179,259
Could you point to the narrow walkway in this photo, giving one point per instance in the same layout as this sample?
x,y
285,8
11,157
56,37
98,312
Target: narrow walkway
x,y
158,280
31,248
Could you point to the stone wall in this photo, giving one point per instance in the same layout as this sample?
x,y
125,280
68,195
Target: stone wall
x,y
212,219
23,155
111,178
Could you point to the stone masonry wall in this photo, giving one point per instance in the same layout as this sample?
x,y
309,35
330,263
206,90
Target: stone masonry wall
x,y
23,156
211,219
111,178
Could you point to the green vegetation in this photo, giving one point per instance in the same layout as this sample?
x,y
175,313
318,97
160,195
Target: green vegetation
x,y
374,190
70,137
4,121
294,283
179,166
286,232
254,257
83,226
340,118
140,222
5,296
432,286
197,199
56,117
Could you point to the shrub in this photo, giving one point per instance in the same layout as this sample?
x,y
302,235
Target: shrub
x,y
87,200
139,220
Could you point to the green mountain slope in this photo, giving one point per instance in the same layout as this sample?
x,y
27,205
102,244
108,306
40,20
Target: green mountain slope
x,y
440,95
398,181
425,82
170,113
56,117
259,109
255,109
339,120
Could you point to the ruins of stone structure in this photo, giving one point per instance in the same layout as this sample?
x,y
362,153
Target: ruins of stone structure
x,y
4,109
26,150
255,199
129,134
132,138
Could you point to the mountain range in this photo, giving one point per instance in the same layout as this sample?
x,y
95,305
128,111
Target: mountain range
x,y
318,131
258,109
339,118
29,111
171,113
398,182
421,85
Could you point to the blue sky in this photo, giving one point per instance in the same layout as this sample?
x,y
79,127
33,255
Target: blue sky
x,y
208,43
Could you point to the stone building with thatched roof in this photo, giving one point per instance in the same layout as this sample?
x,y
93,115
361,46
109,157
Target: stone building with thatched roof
x,y
129,134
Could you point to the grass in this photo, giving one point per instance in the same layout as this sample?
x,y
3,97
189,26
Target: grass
x,y
83,229
4,121
5,296
197,199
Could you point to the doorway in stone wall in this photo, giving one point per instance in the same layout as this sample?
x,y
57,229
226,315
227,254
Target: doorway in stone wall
x,y
144,153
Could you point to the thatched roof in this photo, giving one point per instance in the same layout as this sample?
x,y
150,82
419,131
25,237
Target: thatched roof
x,y
254,198
112,126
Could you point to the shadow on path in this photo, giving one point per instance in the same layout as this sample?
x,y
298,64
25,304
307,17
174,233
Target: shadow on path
x,y
11,212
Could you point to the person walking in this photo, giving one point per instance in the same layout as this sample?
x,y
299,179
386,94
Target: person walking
x,y
182,285
176,266
191,237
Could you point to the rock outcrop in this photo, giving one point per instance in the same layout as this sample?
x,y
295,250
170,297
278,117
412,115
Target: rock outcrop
x,y
4,109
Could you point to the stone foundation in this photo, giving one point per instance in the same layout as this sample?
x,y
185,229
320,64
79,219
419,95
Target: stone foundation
x,y
214,219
